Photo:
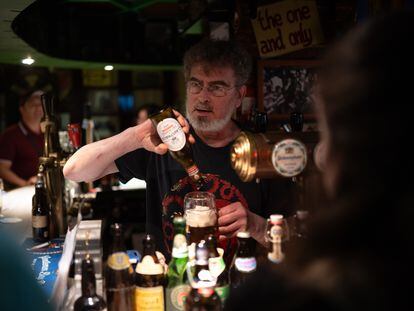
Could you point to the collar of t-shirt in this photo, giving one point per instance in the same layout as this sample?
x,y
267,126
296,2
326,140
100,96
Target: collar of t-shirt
x,y
26,130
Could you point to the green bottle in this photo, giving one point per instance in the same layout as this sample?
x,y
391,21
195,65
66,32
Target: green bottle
x,y
178,288
218,269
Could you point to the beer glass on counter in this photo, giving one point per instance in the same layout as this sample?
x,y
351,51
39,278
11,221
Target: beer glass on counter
x,y
201,216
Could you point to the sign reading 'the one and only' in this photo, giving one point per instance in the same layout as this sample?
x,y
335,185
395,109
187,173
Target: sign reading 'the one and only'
x,y
286,26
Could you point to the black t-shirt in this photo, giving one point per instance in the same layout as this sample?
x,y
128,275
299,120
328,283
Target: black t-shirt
x,y
167,183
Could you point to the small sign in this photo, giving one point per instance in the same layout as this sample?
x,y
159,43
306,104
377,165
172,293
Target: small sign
x,y
98,78
286,26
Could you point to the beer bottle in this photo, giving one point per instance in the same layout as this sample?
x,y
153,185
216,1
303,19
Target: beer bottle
x,y
177,289
40,210
148,247
89,301
172,134
244,263
150,279
202,296
218,269
119,274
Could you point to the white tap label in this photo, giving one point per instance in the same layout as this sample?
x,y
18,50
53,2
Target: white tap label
x,y
289,157
171,134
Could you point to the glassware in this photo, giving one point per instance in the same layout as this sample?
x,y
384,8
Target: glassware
x,y
277,233
201,216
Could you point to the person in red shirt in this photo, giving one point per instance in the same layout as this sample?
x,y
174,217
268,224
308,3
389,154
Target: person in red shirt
x,y
22,143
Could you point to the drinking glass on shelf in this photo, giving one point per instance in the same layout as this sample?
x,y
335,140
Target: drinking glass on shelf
x,y
201,215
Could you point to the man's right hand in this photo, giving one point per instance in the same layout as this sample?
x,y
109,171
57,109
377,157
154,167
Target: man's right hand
x,y
149,138
97,159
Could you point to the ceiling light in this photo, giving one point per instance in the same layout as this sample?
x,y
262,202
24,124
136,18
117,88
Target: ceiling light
x,y
109,67
28,60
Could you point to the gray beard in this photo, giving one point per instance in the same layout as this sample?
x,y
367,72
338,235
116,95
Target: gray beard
x,y
202,124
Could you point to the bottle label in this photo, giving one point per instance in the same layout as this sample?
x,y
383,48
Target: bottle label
x,y
118,261
39,221
180,246
149,298
223,292
171,134
192,170
216,265
289,157
246,264
176,297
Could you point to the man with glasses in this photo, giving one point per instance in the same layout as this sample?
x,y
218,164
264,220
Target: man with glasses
x,y
22,143
215,74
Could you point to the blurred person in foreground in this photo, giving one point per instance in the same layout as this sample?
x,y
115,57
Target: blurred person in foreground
x,y
19,289
215,73
22,143
357,256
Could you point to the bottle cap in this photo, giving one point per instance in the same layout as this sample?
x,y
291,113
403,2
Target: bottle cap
x,y
178,219
243,234
275,218
147,266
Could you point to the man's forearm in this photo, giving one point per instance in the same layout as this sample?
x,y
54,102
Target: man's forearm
x,y
8,175
90,162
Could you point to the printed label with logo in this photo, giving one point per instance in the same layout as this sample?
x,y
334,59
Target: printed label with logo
x,y
39,221
118,261
289,157
176,297
246,264
171,134
180,246
149,298
216,265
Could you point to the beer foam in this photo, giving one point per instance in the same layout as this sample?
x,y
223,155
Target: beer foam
x,y
200,216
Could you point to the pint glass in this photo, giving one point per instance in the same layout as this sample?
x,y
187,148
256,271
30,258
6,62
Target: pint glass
x,y
200,215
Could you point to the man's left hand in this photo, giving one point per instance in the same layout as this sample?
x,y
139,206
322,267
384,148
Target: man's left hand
x,y
232,219
235,217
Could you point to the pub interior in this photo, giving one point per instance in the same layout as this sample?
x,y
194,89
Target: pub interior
x,y
89,68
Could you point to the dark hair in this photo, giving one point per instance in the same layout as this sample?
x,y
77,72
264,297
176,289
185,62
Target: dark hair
x,y
218,53
27,95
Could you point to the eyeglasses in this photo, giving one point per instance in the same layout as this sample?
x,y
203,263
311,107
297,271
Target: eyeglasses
x,y
216,90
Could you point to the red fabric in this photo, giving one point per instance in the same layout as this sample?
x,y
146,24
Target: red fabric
x,y
22,149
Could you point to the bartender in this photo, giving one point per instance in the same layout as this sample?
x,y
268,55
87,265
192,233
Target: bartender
x,y
22,143
215,73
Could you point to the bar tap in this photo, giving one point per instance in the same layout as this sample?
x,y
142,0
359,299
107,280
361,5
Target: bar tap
x,y
51,162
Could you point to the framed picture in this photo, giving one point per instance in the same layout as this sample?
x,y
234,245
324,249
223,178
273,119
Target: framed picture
x,y
286,86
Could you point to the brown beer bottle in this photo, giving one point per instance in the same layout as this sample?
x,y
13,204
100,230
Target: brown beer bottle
x,y
202,296
119,274
150,279
148,247
89,301
172,134
218,269
244,263
40,210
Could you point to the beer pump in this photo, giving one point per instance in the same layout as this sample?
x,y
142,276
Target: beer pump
x,y
274,154
52,162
